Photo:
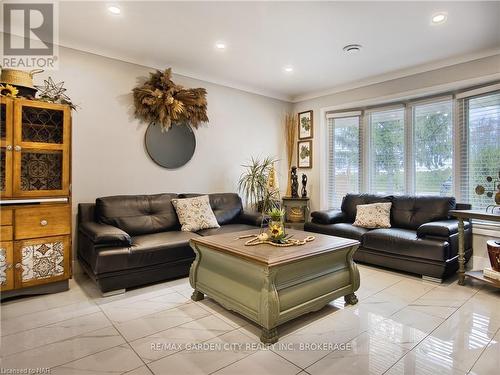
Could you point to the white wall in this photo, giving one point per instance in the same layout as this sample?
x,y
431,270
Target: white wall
x,y
417,85
109,157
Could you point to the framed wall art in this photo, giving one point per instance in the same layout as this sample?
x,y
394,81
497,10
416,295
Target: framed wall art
x,y
305,125
304,154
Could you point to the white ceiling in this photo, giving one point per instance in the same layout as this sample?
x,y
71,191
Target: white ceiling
x,y
263,37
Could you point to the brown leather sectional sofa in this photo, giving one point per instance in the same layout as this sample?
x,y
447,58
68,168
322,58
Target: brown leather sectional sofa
x,y
126,241
423,238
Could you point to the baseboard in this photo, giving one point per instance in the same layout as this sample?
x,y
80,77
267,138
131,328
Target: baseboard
x,y
55,287
478,263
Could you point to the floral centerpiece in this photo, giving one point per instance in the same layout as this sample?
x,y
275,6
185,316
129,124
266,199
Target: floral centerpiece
x,y
275,234
276,228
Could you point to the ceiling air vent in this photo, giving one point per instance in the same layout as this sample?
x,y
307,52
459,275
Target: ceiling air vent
x,y
352,48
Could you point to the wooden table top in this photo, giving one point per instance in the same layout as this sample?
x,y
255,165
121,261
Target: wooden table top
x,y
475,214
272,255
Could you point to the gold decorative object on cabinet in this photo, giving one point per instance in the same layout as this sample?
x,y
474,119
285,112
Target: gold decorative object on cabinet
x,y
35,197
296,212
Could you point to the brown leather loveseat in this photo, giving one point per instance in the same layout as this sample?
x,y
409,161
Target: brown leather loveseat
x,y
126,241
423,238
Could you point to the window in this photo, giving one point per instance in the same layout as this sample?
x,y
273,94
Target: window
x,y
480,154
433,148
344,155
419,147
386,155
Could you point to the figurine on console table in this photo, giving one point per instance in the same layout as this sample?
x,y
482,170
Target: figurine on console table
x,y
304,184
295,183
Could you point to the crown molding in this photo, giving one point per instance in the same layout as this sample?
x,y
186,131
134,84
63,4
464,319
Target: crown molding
x,y
178,71
151,64
398,74
414,94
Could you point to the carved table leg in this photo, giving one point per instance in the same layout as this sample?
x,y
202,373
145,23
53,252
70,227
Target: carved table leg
x,y
351,299
197,295
461,252
269,336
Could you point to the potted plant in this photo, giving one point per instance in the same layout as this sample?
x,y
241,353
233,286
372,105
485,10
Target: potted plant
x,y
252,182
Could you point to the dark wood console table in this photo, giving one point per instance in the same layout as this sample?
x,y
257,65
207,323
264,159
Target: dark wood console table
x,y
462,215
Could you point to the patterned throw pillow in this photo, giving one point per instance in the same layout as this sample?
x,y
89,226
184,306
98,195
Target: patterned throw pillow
x,y
375,215
195,213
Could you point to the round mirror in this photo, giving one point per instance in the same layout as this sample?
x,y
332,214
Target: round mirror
x,y
170,149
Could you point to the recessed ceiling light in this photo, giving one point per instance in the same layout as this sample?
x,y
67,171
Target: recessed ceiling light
x,y
439,18
220,45
352,48
114,9
288,69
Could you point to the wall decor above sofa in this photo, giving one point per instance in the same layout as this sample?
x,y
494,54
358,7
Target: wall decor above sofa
x,y
171,149
162,102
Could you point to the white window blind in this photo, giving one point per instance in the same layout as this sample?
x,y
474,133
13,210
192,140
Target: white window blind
x,y
479,122
386,151
344,158
440,146
433,147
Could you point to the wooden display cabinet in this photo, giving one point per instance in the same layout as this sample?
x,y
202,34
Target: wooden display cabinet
x,y
35,192
6,266
6,139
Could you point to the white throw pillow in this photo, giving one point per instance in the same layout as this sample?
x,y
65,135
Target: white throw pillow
x,y
195,213
375,215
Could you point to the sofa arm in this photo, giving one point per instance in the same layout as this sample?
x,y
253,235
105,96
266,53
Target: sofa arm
x,y
328,217
104,234
441,228
252,218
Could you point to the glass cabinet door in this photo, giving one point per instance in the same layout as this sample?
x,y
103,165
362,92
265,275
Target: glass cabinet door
x,y
5,147
41,149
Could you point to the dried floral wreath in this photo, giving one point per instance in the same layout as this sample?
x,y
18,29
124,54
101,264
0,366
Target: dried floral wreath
x,y
160,101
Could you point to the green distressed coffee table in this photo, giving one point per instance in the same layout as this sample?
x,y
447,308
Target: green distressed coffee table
x,y
272,285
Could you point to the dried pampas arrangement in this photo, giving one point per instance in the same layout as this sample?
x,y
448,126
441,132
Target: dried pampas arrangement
x,y
160,101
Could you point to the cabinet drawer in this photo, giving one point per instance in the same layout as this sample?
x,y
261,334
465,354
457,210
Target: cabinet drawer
x,y
5,216
5,233
42,221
